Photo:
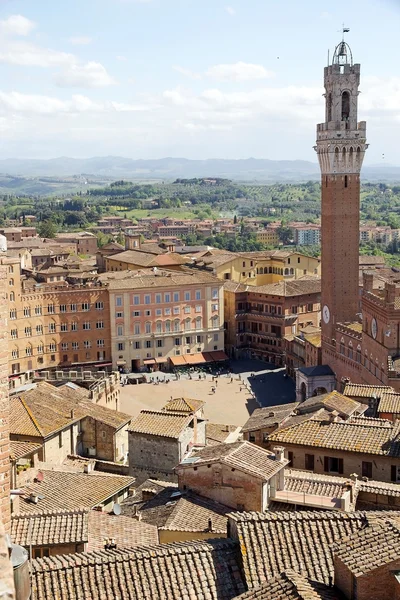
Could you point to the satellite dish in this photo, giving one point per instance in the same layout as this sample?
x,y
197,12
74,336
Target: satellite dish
x,y
116,509
39,476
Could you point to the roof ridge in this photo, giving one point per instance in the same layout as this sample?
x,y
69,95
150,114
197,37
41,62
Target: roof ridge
x,y
28,410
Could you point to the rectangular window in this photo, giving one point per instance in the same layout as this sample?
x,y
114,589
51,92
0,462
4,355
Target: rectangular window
x,y
310,307
188,340
333,464
75,345
148,328
137,329
187,310
309,462
120,330
50,309
160,343
214,307
40,349
136,313
137,345
187,296
119,315
85,306
177,341
120,346
52,327
167,297
38,310
176,296
158,312
99,305
294,310
176,310
64,346
87,344
100,343
14,334
86,325
13,314
198,294
136,300
290,457
118,301
148,344
100,325
60,440
74,326
27,311
73,307
147,299
63,308
216,336
215,294
64,327
367,469
147,313
158,298
167,311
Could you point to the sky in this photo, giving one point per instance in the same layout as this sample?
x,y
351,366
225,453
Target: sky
x,y
189,78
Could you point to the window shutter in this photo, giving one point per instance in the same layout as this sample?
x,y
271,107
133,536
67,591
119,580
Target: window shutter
x,y
340,462
326,464
393,473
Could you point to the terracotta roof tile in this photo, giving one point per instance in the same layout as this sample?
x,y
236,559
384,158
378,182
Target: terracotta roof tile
x,y
72,491
333,401
389,403
289,585
359,390
240,455
163,278
366,550
160,423
21,449
182,405
275,541
202,570
216,433
265,417
127,532
357,434
50,528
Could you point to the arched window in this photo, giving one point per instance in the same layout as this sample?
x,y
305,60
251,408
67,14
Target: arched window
x,y
329,107
270,270
351,157
292,271
12,297
342,350
158,327
265,270
168,326
336,162
11,281
177,325
345,106
28,350
198,323
187,324
15,352
286,271
351,350
358,355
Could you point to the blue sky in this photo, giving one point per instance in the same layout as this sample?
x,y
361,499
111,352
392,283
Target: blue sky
x,y
192,78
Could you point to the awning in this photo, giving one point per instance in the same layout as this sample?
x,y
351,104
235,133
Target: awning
x,y
149,361
161,360
178,361
219,356
208,357
194,359
103,364
121,363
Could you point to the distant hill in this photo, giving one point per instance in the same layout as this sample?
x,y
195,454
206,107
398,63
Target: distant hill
x,y
250,169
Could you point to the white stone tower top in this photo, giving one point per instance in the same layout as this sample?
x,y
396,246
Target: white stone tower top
x,y
341,140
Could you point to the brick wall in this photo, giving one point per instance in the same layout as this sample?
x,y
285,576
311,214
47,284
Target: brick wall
x,y
4,405
223,484
377,584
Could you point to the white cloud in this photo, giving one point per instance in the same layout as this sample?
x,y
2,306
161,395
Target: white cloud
x,y
45,105
30,55
91,74
82,40
230,10
16,25
187,72
239,71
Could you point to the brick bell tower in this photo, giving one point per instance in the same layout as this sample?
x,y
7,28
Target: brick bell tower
x,y
341,145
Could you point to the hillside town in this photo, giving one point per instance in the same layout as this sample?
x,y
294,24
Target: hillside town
x,y
187,422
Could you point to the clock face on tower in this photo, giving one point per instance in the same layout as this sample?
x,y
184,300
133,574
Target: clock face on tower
x,y
374,328
326,315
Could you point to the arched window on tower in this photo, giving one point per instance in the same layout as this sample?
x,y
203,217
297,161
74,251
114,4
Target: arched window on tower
x,y
329,107
345,106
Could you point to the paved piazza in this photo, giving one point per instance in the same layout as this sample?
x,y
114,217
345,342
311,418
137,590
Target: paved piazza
x,y
232,402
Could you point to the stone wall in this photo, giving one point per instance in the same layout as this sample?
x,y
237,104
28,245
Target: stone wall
x,y
152,454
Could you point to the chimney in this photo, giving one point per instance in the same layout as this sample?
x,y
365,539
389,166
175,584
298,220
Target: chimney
x,y
390,292
210,525
333,416
368,281
72,413
279,453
